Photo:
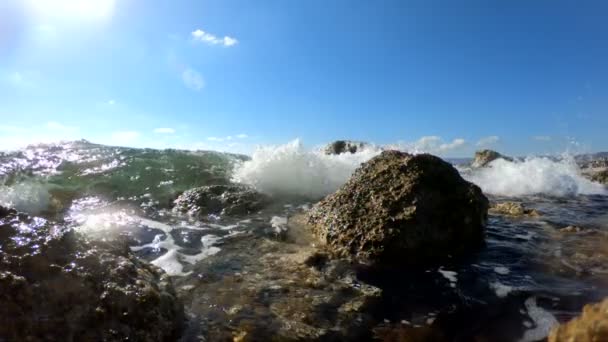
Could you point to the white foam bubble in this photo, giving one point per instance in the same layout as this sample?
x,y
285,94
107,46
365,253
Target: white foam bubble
x,y
29,197
500,289
543,322
534,175
502,270
98,224
451,276
291,169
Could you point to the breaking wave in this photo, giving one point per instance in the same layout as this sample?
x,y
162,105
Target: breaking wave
x,y
291,170
534,175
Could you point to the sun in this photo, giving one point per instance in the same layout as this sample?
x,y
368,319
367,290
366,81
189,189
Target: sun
x,y
72,9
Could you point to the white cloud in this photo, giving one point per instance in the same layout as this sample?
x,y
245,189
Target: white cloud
x,y
430,144
456,143
125,137
111,102
56,126
542,138
193,79
206,37
487,141
164,130
228,138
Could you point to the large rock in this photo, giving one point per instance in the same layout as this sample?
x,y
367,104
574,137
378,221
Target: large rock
x,y
591,326
401,209
344,146
54,286
600,176
485,157
220,200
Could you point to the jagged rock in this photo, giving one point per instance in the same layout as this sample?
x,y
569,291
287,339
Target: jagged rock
x,y
485,157
344,146
402,209
220,200
512,209
590,326
600,176
56,286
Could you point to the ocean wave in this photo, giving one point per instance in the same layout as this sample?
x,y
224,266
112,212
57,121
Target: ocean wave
x,y
29,197
534,175
292,170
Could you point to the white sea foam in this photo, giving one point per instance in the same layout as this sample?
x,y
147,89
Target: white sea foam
x,y
543,322
29,197
291,169
451,276
98,224
500,289
534,175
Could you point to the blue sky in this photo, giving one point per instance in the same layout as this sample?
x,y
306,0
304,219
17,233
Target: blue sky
x,y
449,77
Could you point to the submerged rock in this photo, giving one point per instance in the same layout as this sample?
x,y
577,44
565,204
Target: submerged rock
x,y
402,209
56,286
512,209
220,200
591,326
344,146
485,157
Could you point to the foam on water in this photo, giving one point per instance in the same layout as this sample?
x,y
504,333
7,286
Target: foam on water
x,y
98,224
542,320
291,169
534,175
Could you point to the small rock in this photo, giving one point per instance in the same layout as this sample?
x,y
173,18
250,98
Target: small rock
x,y
485,157
219,200
512,209
344,146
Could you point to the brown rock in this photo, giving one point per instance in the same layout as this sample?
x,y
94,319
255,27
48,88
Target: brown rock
x,y
402,209
485,157
590,326
512,209
344,146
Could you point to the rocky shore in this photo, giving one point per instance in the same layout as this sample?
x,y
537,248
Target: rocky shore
x,y
56,286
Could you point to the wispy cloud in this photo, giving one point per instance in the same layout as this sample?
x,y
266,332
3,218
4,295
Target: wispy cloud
x,y
228,138
111,102
542,138
487,141
193,79
164,130
208,38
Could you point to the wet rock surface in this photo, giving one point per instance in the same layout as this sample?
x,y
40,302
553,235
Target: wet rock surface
x,y
402,209
233,200
344,146
514,209
55,286
591,326
485,157
288,292
600,176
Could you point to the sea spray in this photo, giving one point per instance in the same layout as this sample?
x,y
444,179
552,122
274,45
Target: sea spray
x,y
291,170
534,175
